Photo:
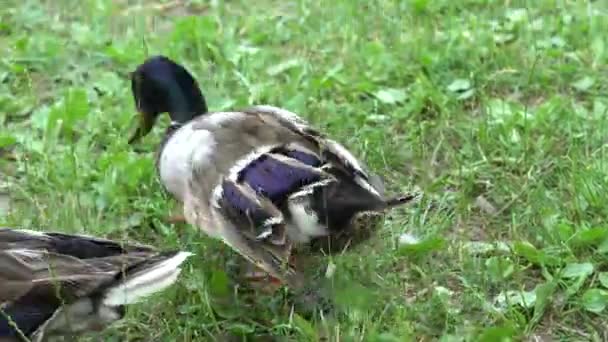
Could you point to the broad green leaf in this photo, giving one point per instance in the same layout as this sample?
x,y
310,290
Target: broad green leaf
x,y
419,5
391,95
544,293
6,140
564,231
450,338
422,247
334,73
459,85
525,299
589,237
504,38
64,114
306,329
533,255
384,337
499,268
224,103
574,285
219,283
603,247
557,42
599,108
603,278
283,66
82,34
598,48
297,103
191,28
595,300
241,328
584,83
135,171
108,82
497,334
443,292
483,248
500,110
76,105
576,270
466,94
516,14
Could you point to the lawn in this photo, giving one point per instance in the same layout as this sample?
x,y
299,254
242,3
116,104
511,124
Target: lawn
x,y
495,110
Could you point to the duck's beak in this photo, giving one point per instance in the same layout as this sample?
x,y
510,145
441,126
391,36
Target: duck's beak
x,y
145,126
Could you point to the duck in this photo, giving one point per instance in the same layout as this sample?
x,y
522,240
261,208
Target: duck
x,y
261,179
56,285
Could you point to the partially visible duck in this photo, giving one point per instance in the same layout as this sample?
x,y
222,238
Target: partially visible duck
x,y
60,285
260,179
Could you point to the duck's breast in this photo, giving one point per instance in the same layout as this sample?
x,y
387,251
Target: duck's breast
x,y
188,146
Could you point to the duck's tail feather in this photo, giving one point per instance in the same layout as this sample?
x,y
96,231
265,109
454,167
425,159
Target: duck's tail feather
x,y
148,277
401,200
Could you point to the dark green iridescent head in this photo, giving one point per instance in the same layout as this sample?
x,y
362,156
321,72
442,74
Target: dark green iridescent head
x,y
160,85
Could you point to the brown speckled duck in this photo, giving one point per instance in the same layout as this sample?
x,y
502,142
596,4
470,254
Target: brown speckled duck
x,y
59,285
260,179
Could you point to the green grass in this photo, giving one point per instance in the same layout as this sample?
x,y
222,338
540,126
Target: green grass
x,y
496,110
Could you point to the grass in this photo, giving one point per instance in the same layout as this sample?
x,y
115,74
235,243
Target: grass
x,y
496,110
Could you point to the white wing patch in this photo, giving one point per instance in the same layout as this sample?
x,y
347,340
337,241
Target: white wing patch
x,y
365,185
306,222
273,220
147,282
218,192
345,154
349,159
308,189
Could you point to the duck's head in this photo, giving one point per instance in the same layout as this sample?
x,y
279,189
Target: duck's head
x,y
159,86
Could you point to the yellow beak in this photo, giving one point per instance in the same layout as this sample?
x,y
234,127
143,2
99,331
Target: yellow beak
x,y
144,127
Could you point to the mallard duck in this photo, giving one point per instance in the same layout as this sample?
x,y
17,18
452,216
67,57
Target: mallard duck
x,y
58,285
260,179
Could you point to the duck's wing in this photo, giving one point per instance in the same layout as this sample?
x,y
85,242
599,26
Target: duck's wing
x,y
34,284
330,151
248,205
277,196
32,259
80,246
267,169
42,274
226,138
244,186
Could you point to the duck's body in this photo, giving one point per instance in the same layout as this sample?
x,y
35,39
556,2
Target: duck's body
x,y
54,284
267,147
261,179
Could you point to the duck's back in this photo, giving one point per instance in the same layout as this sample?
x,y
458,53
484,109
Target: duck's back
x,y
216,143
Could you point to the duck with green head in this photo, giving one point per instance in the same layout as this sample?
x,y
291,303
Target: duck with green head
x,y
61,285
260,179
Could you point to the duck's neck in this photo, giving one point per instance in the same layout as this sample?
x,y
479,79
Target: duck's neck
x,y
182,117
185,107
